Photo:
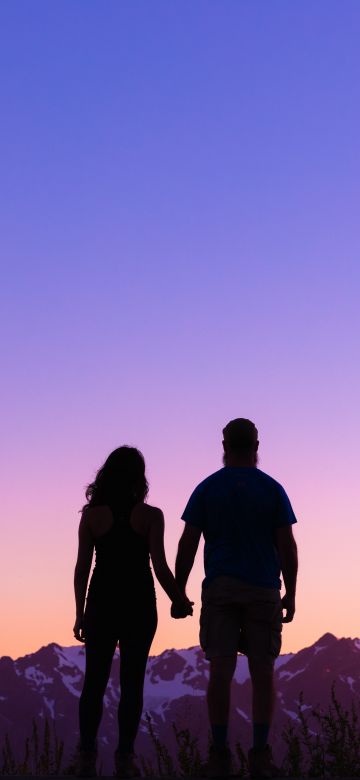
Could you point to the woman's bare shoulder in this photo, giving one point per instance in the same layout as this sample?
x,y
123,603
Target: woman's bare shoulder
x,y
146,510
143,516
97,518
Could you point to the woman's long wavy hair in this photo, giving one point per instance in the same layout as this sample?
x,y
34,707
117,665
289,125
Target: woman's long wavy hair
x,y
120,482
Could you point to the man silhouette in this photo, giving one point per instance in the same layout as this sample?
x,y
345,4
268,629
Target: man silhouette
x,y
246,519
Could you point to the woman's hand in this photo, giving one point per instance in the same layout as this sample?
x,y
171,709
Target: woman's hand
x,y
181,608
79,629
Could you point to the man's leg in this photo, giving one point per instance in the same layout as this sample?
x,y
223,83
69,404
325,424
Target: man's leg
x,y
222,670
220,623
261,763
263,697
262,634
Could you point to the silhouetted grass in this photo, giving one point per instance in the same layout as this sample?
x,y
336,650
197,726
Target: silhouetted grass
x,y
188,761
43,753
332,751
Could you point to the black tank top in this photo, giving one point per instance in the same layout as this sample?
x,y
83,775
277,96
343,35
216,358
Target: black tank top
x,y
122,565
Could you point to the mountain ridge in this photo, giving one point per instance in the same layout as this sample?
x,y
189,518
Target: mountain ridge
x,y
47,685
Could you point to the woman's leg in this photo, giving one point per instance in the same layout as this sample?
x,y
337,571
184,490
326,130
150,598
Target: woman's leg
x,y
99,654
134,651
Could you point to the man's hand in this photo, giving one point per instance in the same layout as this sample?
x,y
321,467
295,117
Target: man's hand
x,y
288,604
181,609
79,629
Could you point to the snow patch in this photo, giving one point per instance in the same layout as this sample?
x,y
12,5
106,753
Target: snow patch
x,y
283,659
69,682
50,705
71,656
350,681
242,713
167,690
35,675
293,715
303,707
189,656
290,675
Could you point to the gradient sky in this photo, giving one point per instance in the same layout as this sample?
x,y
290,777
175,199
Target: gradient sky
x,y
180,246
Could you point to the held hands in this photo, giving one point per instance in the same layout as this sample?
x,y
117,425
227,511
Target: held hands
x,y
79,629
181,608
288,604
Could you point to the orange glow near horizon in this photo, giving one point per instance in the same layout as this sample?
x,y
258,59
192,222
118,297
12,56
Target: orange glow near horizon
x,y
37,607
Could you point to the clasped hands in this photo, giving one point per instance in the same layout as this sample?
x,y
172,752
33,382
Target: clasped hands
x,y
182,608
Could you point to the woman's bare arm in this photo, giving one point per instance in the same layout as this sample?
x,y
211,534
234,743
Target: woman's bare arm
x,y
82,571
158,559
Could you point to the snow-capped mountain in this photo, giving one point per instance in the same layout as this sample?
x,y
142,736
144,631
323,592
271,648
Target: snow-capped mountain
x,y
48,683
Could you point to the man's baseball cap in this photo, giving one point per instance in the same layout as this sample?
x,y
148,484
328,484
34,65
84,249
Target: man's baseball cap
x,y
240,434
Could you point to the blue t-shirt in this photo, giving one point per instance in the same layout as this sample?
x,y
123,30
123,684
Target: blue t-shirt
x,y
238,509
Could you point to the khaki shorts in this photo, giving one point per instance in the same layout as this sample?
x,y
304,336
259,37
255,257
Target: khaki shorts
x,y
240,618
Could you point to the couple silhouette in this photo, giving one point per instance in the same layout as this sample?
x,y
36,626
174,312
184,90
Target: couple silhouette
x,y
246,519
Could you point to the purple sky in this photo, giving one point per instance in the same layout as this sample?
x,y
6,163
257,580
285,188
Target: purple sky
x,y
180,245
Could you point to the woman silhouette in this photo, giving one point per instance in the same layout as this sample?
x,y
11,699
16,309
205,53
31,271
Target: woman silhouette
x,y
121,604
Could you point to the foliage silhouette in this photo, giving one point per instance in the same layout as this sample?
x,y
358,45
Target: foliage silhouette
x,y
333,750
43,754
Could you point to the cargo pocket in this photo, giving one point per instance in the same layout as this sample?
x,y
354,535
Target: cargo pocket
x,y
276,632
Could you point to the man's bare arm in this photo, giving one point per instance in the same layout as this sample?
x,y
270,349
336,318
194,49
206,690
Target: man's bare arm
x,y
187,550
287,549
